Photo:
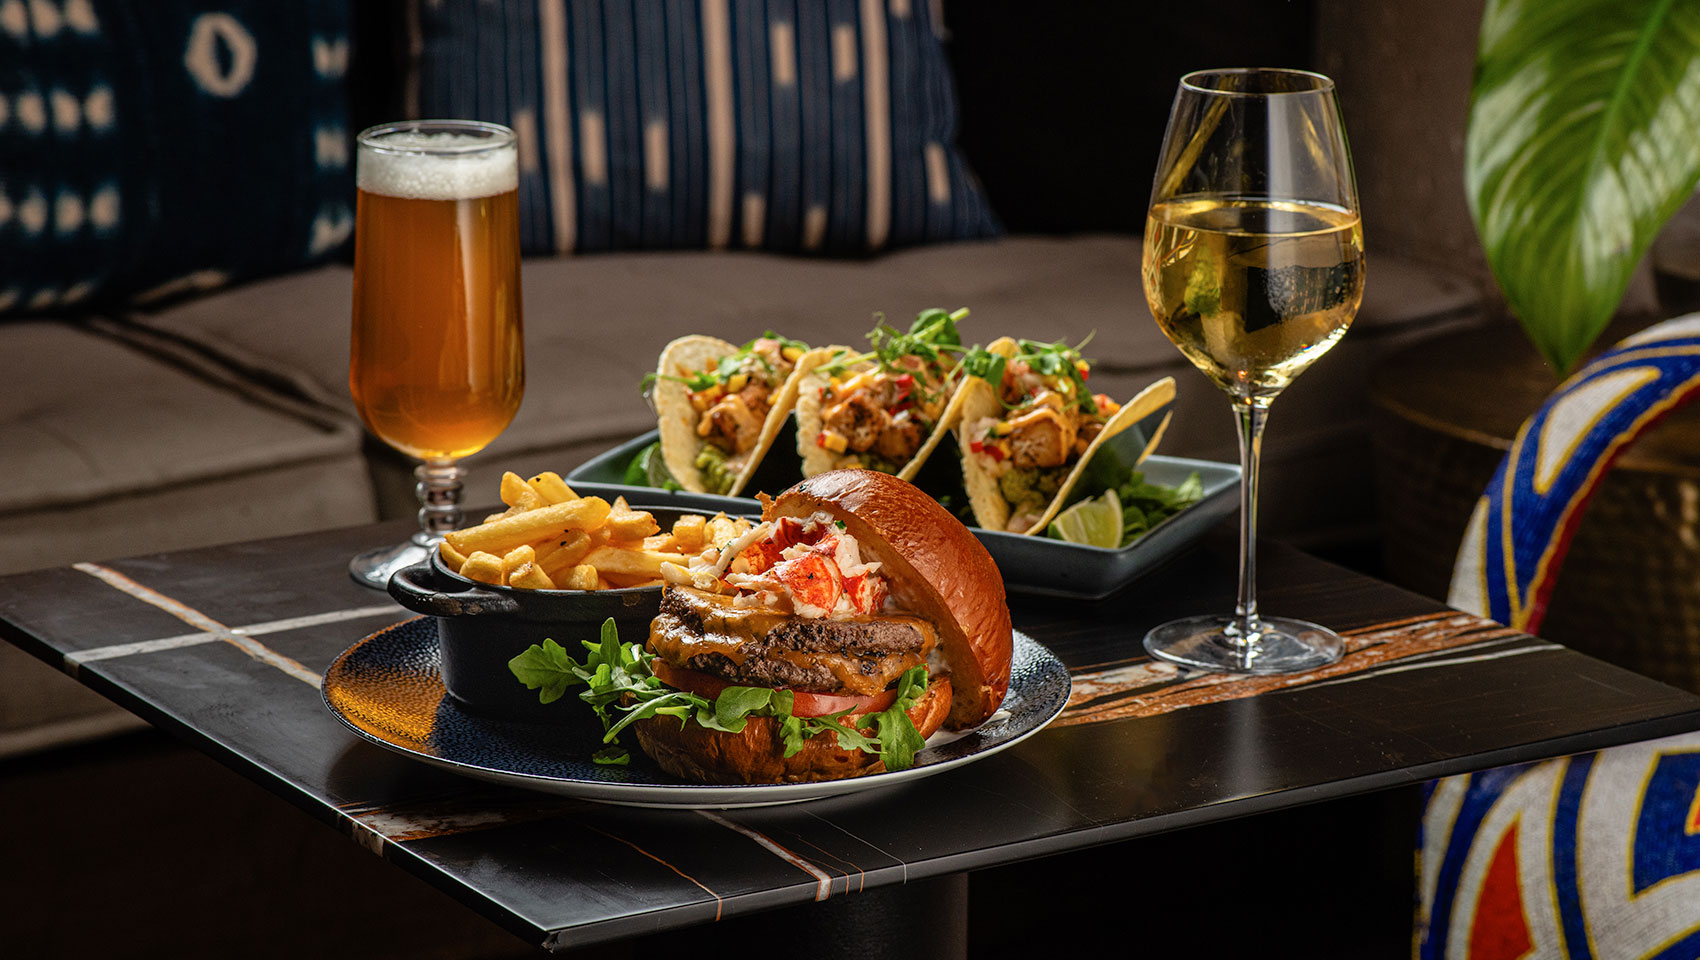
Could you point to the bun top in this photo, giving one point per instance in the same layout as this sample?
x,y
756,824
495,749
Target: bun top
x,y
936,568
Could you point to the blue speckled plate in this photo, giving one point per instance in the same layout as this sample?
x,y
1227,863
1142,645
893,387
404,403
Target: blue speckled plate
x,y
387,689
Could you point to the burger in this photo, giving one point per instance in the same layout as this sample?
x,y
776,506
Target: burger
x,y
857,619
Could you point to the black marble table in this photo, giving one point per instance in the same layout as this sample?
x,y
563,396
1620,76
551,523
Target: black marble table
x,y
224,647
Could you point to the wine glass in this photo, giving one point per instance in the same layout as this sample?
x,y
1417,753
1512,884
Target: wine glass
x,y
1253,267
436,361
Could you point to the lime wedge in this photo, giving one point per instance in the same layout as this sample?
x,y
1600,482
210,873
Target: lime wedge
x,y
1095,522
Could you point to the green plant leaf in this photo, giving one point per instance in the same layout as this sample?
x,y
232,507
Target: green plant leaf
x,y
1584,139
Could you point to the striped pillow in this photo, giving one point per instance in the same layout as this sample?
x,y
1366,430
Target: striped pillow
x,y
812,126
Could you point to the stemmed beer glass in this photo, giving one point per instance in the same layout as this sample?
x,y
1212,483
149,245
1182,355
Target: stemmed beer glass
x,y
1253,267
437,362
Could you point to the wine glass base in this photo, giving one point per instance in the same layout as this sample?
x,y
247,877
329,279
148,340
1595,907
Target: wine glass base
x,y
374,568
1282,646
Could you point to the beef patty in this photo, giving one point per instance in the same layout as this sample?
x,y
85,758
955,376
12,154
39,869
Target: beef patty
x,y
764,647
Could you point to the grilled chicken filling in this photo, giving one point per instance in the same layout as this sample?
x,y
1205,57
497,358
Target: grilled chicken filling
x,y
733,410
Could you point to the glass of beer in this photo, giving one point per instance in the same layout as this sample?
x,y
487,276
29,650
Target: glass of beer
x,y
1253,267
437,359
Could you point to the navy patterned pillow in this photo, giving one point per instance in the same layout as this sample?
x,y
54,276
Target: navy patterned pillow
x,y
812,126
154,149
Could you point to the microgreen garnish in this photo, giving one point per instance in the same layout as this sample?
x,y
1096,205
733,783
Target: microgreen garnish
x,y
933,337
725,368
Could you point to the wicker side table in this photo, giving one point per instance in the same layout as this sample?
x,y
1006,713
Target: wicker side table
x,y
1445,412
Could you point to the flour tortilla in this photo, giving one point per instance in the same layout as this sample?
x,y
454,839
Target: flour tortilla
x,y
677,420
991,510
816,458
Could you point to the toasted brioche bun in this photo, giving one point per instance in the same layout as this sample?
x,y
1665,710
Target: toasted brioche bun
x,y
757,753
936,568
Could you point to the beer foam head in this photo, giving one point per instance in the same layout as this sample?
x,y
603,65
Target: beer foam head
x,y
436,166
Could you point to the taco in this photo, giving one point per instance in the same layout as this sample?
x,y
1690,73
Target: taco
x,y
1029,426
719,407
885,409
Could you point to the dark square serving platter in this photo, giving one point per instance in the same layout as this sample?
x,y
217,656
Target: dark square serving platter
x,y
1030,564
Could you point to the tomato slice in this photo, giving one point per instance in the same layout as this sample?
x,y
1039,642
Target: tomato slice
x,y
803,703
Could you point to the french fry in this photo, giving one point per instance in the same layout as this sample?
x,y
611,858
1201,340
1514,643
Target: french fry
x,y
551,487
721,529
612,559
567,557
531,577
631,524
509,532
544,549
688,532
551,538
483,567
517,493
581,577
452,558
523,555
573,545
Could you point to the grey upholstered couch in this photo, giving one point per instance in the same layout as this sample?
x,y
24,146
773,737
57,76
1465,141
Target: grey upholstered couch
x,y
227,417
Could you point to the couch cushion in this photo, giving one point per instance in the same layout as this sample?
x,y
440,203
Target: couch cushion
x,y
116,448
90,419
594,325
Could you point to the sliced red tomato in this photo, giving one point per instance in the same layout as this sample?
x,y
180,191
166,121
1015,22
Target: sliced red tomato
x,y
820,704
803,703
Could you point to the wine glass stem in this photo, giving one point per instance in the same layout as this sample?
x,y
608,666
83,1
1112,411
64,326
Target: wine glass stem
x,y
439,499
1246,627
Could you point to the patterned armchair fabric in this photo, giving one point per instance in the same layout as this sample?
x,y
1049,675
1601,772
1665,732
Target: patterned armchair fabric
x,y
1595,855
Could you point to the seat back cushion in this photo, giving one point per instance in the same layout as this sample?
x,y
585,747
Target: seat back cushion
x,y
794,125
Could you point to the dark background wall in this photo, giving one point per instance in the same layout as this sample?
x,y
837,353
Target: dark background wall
x,y
1063,105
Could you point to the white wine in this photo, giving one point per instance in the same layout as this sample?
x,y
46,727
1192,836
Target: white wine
x,y
1253,291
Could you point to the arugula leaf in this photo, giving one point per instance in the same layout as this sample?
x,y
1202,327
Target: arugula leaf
x,y
735,704
621,689
615,756
899,740
546,668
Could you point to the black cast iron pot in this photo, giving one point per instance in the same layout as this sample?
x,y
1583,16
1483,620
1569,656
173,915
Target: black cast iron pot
x,y
481,627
